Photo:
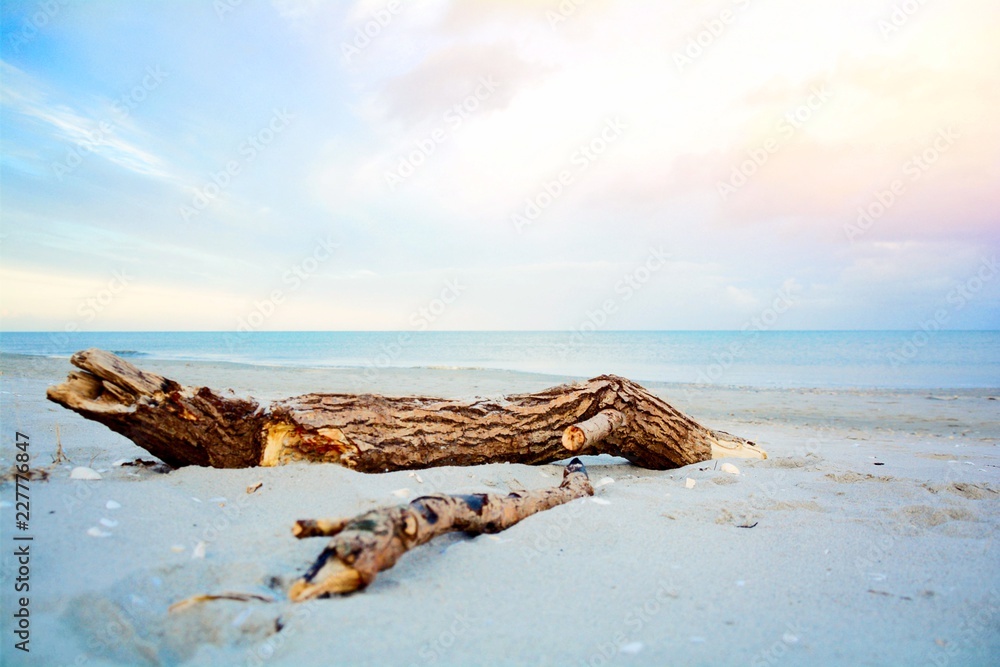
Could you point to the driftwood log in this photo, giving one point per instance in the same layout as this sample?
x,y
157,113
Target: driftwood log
x,y
371,542
198,426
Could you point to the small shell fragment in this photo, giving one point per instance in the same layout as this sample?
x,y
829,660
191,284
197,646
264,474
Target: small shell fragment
x,y
253,488
177,548
689,483
199,550
605,481
631,648
97,532
242,617
729,468
109,523
113,505
82,472
401,493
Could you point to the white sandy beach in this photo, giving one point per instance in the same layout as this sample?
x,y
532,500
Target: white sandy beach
x,y
816,556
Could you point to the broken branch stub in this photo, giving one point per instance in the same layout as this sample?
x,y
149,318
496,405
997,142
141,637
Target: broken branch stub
x,y
590,432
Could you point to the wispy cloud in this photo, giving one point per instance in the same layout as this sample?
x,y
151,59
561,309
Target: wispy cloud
x,y
104,136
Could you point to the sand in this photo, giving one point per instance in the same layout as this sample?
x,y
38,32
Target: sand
x,y
818,555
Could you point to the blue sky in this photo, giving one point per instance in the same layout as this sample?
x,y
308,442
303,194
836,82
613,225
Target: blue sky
x,y
509,164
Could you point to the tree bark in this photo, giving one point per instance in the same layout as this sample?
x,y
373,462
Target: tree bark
x,y
371,542
370,433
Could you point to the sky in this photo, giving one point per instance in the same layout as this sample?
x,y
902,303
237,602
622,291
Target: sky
x,y
499,164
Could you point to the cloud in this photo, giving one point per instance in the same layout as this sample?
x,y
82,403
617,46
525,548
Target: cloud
x,y
686,127
26,96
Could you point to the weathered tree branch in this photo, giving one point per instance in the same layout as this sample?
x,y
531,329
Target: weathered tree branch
x,y
371,542
370,433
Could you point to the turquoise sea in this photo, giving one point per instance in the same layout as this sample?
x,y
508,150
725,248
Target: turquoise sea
x,y
773,359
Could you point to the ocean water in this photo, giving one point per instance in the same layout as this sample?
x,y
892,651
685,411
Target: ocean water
x,y
775,359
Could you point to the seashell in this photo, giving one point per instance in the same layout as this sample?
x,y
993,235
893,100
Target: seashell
x,y
689,483
729,468
82,472
401,493
113,505
199,550
605,481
